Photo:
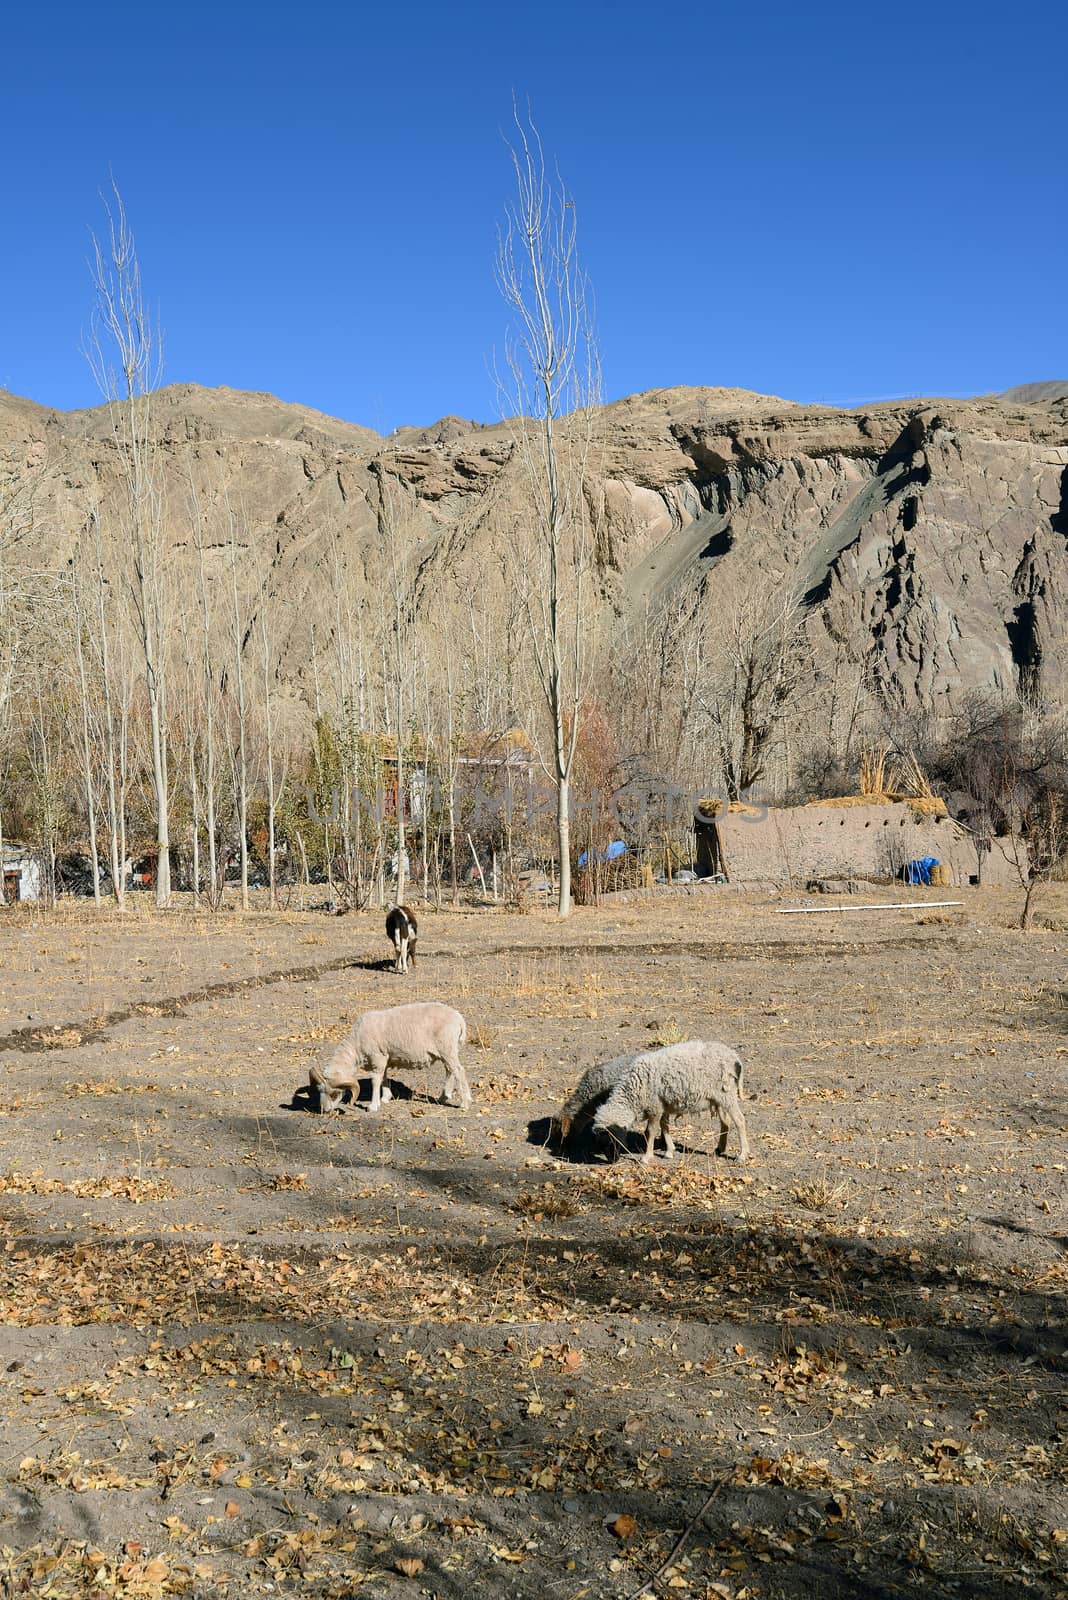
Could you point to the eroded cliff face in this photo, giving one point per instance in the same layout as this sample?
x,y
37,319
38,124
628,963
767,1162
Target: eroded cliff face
x,y
929,539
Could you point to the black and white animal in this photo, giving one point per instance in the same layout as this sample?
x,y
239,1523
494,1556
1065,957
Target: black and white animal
x,y
421,1035
401,931
698,1075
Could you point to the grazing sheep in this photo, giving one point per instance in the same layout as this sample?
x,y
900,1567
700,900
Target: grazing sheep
x,y
680,1078
401,931
577,1111
415,1035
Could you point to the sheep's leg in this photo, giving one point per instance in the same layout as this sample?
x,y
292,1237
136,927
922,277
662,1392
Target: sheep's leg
x,y
456,1078
650,1140
378,1065
731,1116
669,1143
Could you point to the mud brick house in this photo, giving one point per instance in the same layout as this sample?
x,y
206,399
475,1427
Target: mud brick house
x,y
849,838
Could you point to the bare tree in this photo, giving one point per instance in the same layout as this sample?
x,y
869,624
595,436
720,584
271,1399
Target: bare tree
x,y
240,752
115,719
123,351
553,388
214,879
88,739
396,530
276,762
752,672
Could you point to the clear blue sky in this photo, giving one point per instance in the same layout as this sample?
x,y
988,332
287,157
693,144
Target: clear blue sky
x,y
830,201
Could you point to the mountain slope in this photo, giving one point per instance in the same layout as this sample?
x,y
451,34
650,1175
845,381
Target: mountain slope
x,y
929,538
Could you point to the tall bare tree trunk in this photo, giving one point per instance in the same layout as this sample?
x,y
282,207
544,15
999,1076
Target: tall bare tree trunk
x,y
113,759
272,797
208,679
123,332
242,728
552,357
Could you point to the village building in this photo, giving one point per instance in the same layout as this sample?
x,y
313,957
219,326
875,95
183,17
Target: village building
x,y
851,837
22,875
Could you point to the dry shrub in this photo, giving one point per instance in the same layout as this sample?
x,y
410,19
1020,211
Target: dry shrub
x,y
480,1037
288,1180
665,1033
820,1195
547,1203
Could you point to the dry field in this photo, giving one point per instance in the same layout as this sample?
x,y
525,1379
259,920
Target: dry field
x,y
252,1351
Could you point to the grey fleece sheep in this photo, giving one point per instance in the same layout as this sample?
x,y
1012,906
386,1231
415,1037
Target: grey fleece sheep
x,y
681,1078
414,1035
577,1111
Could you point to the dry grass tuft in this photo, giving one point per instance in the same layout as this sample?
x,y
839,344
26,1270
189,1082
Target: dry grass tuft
x,y
547,1203
665,1033
288,1180
820,1195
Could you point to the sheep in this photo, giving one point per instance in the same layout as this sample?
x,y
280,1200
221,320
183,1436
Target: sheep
x,y
680,1078
576,1113
401,931
414,1035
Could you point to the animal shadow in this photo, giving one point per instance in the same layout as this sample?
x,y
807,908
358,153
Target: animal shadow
x,y
306,1099
585,1145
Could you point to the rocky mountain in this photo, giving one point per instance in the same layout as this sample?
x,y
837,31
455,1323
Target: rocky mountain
x,y
929,538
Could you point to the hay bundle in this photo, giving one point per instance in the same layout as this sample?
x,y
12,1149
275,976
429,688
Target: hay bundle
x,y
713,806
920,806
884,783
941,877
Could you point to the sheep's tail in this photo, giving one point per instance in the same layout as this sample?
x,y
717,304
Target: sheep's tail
x,y
463,1030
739,1076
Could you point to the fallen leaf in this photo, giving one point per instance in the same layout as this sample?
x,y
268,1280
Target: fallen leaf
x,y
624,1527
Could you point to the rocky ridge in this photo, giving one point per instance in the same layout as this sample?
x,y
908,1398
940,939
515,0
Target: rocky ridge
x,y
928,538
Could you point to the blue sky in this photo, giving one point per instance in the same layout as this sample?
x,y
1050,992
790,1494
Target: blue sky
x,y
830,202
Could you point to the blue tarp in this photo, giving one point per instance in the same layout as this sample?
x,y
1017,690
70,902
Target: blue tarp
x,y
919,871
609,853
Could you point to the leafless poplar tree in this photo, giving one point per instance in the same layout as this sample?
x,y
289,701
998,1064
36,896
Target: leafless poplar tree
x,y
88,734
275,761
210,710
553,388
123,351
240,753
395,527
115,720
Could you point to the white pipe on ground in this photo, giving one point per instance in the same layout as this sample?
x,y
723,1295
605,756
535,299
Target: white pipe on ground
x,y
890,905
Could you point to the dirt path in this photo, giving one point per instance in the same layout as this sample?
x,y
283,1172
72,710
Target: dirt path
x,y
251,1350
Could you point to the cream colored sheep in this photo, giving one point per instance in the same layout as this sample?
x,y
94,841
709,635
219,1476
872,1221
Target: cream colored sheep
x,y
399,1037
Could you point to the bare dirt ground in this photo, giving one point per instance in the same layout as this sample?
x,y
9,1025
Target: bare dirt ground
x,y
254,1351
